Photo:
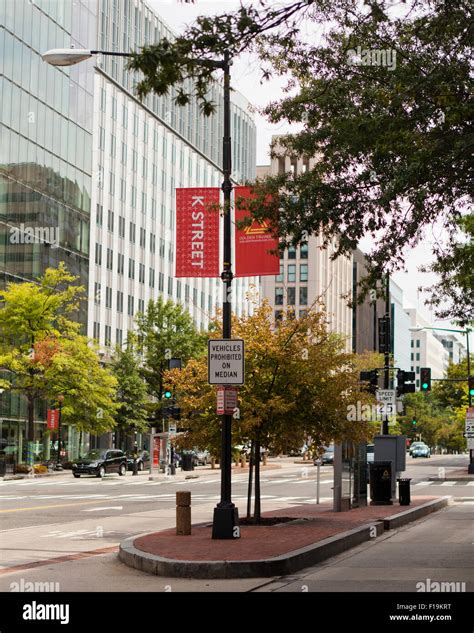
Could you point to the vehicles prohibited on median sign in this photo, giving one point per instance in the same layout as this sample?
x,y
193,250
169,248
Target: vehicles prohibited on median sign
x,y
225,362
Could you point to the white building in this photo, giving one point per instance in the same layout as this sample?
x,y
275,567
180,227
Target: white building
x,y
455,345
307,273
400,332
142,152
426,349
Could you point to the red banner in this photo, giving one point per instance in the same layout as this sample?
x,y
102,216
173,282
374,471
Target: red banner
x,y
52,422
197,232
252,244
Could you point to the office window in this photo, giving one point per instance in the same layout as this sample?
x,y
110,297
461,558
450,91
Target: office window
x,y
195,296
178,289
291,272
161,282
99,215
120,263
123,158
131,233
278,315
121,228
418,369
111,183
291,296
304,251
144,167
280,278
417,383
110,221
118,337
96,334
151,278
411,358
279,296
291,252
186,293
112,146
108,297
412,343
110,259
417,356
203,300
162,247
145,132
141,305
141,273
143,202
97,293
101,137
303,295
134,160
303,313
125,116
142,237
135,125
303,272
282,254
114,108
130,307
131,268
170,286
98,254
418,342
152,242
119,301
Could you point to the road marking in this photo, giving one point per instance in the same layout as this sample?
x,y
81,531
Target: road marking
x,y
61,505
470,483
104,508
449,483
424,483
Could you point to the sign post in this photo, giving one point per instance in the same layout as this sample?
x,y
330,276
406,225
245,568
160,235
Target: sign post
x,y
469,429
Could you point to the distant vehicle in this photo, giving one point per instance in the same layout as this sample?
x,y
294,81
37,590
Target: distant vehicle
x,y
143,460
420,449
328,455
99,462
202,458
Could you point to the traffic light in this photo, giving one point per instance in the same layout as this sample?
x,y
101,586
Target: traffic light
x,y
402,378
372,377
471,386
425,379
167,394
413,422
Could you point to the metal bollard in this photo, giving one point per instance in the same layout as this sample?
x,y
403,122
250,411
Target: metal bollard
x,y
183,513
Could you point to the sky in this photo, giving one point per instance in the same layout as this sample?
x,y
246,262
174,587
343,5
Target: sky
x,y
246,79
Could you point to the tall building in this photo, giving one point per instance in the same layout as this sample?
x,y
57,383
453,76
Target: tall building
x,y
46,118
88,173
426,349
143,151
365,315
307,273
400,332
454,344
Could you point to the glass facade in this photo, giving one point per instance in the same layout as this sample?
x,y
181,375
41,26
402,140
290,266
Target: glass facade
x,y
46,122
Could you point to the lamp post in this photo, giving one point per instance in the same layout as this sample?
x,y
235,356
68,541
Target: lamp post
x,y
58,457
226,519
466,331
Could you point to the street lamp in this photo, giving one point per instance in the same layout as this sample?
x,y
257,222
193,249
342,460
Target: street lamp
x,y
467,331
58,457
226,517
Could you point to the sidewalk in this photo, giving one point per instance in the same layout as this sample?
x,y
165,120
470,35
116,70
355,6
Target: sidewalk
x,y
313,533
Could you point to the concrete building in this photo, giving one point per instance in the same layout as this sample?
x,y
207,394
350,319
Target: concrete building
x,y
426,349
365,315
307,273
400,332
454,344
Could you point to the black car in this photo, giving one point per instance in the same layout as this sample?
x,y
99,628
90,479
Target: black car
x,y
143,460
99,462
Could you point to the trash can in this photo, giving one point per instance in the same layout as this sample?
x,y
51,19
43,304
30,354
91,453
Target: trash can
x,y
187,461
404,497
381,484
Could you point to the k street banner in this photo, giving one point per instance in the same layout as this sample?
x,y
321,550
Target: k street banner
x,y
197,232
253,244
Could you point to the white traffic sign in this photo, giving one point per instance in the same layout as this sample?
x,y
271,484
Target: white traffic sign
x,y
386,396
225,362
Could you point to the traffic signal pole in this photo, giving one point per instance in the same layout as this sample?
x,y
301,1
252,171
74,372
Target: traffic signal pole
x,y
470,468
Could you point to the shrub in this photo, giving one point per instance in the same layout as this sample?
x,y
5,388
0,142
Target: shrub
x,y
23,469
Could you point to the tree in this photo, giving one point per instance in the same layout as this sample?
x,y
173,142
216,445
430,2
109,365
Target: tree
x,y
131,415
299,383
451,395
166,330
383,102
42,354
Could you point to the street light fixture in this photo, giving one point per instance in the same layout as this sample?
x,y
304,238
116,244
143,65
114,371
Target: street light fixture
x,y
226,517
466,331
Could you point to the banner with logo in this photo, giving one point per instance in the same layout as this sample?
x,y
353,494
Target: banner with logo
x,y
253,244
52,419
197,232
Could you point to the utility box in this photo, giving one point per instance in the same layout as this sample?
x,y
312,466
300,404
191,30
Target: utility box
x,y
391,448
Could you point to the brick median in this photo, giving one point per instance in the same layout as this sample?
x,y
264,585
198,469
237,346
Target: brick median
x,y
261,542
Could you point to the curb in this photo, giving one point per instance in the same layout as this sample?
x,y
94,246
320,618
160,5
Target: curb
x,y
277,566
282,565
407,516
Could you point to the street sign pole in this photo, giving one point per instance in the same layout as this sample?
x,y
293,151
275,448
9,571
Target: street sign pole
x,y
386,380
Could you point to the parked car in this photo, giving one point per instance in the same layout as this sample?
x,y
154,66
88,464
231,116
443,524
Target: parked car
x,y
99,462
202,458
328,456
143,460
420,449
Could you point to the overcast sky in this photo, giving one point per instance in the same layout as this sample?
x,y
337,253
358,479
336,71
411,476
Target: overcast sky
x,y
246,79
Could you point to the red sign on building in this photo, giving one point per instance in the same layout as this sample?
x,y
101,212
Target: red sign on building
x,y
197,232
52,419
253,244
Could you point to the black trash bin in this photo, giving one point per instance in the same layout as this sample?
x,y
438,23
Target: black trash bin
x,y
187,461
404,495
381,484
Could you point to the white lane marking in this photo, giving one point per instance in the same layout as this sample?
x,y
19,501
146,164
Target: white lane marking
x,y
449,483
7,498
424,483
104,508
470,483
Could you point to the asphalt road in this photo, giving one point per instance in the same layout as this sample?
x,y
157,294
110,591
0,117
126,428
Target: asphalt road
x,y
70,528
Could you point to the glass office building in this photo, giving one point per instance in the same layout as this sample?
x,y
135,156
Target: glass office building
x,y
46,118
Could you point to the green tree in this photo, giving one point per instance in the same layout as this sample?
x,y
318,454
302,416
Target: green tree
x,y
393,134
452,393
166,330
131,415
